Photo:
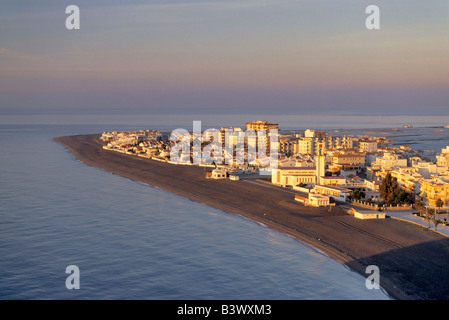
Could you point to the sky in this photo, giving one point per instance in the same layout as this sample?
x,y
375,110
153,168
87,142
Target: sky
x,y
224,56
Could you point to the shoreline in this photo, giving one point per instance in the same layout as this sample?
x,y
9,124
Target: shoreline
x,y
412,261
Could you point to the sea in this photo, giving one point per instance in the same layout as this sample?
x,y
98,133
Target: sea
x,y
133,241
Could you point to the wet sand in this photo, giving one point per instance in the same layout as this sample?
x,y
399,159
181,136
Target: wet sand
x,y
412,260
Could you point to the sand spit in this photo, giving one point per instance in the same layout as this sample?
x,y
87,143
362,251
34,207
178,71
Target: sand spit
x,y
413,261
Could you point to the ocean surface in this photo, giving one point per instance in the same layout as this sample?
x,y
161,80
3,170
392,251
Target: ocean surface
x,y
133,241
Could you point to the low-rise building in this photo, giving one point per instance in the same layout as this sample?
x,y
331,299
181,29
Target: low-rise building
x,y
408,178
348,160
333,181
338,193
287,162
367,214
428,169
318,200
443,158
219,174
293,176
389,161
314,199
372,184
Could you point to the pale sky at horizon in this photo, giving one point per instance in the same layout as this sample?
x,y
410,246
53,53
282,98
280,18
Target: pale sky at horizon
x,y
281,56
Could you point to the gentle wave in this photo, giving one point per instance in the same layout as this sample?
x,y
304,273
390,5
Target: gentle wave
x,y
135,242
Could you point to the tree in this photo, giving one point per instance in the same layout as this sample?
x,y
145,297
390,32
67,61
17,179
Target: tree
x,y
358,195
429,215
419,205
392,193
425,216
439,204
436,223
401,198
388,187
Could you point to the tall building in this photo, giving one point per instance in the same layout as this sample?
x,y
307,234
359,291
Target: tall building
x,y
263,125
287,145
368,146
305,146
233,140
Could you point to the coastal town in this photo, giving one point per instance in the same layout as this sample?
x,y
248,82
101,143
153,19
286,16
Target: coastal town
x,y
324,167
376,221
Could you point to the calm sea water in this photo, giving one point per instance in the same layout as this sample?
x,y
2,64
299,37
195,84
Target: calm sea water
x,y
133,241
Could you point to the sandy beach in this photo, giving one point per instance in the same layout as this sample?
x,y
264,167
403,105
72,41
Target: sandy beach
x,y
413,261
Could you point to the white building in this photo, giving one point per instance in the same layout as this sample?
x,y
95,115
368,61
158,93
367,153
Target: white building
x,y
389,161
338,193
293,176
411,182
313,199
428,169
367,214
443,158
309,133
318,200
219,174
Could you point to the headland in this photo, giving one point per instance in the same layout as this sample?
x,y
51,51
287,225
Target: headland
x,y
412,260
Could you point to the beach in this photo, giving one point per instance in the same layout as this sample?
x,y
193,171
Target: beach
x,y
412,260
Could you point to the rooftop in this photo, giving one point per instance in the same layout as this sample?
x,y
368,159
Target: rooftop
x,y
331,178
334,188
297,168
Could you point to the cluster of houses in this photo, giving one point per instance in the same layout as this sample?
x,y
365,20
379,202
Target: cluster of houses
x,y
143,143
360,163
427,179
327,168
245,155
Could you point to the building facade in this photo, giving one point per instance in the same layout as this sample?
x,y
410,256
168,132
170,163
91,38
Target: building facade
x,y
293,176
267,126
434,189
338,193
368,146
